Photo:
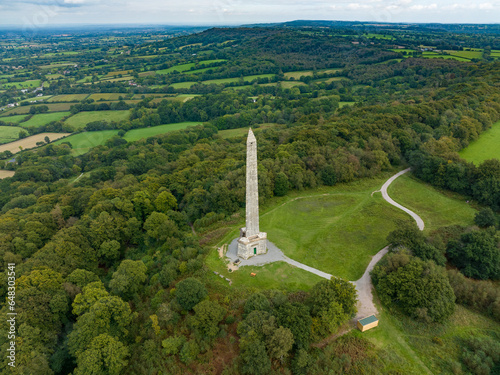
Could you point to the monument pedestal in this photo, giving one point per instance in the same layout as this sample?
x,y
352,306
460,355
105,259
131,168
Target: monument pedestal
x,y
253,245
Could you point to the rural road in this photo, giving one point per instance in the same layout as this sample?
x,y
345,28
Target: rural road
x,y
363,286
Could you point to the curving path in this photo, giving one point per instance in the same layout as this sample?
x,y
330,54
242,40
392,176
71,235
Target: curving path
x,y
383,190
363,286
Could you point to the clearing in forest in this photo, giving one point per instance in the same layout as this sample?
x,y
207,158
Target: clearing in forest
x,y
486,147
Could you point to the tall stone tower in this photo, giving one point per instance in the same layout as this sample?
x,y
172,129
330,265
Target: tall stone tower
x,y
252,241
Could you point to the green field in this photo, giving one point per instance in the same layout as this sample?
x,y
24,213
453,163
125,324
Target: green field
x,y
112,96
308,73
117,73
230,80
81,119
9,133
38,99
83,142
180,97
182,85
44,118
402,50
179,68
434,55
13,119
55,107
26,84
343,225
285,84
125,78
197,71
379,36
136,134
278,275
54,76
472,54
68,98
426,348
486,147
435,208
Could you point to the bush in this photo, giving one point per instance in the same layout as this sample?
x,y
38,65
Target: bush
x,y
482,296
257,301
189,351
189,293
172,344
485,218
481,355
420,288
476,254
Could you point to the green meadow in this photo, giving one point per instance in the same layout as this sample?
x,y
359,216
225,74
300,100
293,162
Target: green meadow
x,y
182,85
343,224
33,83
277,275
81,119
83,142
437,209
418,347
68,98
486,147
136,134
9,133
44,118
13,119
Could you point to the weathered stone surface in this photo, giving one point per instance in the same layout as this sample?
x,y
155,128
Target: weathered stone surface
x,y
252,241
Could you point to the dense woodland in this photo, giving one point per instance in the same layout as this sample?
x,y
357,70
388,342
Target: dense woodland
x,y
111,274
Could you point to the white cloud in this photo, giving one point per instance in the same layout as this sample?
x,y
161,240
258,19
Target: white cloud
x,y
486,6
424,7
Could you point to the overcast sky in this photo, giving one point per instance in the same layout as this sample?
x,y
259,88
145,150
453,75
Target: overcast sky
x,y
33,13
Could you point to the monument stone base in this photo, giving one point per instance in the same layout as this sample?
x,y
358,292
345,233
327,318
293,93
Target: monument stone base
x,y
253,245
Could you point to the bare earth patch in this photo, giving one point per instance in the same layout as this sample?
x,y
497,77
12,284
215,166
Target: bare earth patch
x,y
5,174
30,142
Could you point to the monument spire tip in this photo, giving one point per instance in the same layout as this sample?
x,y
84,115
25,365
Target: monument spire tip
x,y
251,136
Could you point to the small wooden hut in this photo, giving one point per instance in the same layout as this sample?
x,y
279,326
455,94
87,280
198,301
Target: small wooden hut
x,y
367,323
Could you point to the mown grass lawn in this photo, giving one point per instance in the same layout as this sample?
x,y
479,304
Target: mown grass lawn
x,y
278,275
334,229
486,147
434,207
337,232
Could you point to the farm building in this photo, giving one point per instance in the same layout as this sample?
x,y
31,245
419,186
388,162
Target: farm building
x,y
367,323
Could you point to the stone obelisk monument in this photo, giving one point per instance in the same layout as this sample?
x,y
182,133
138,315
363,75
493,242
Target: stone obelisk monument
x,y
252,241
